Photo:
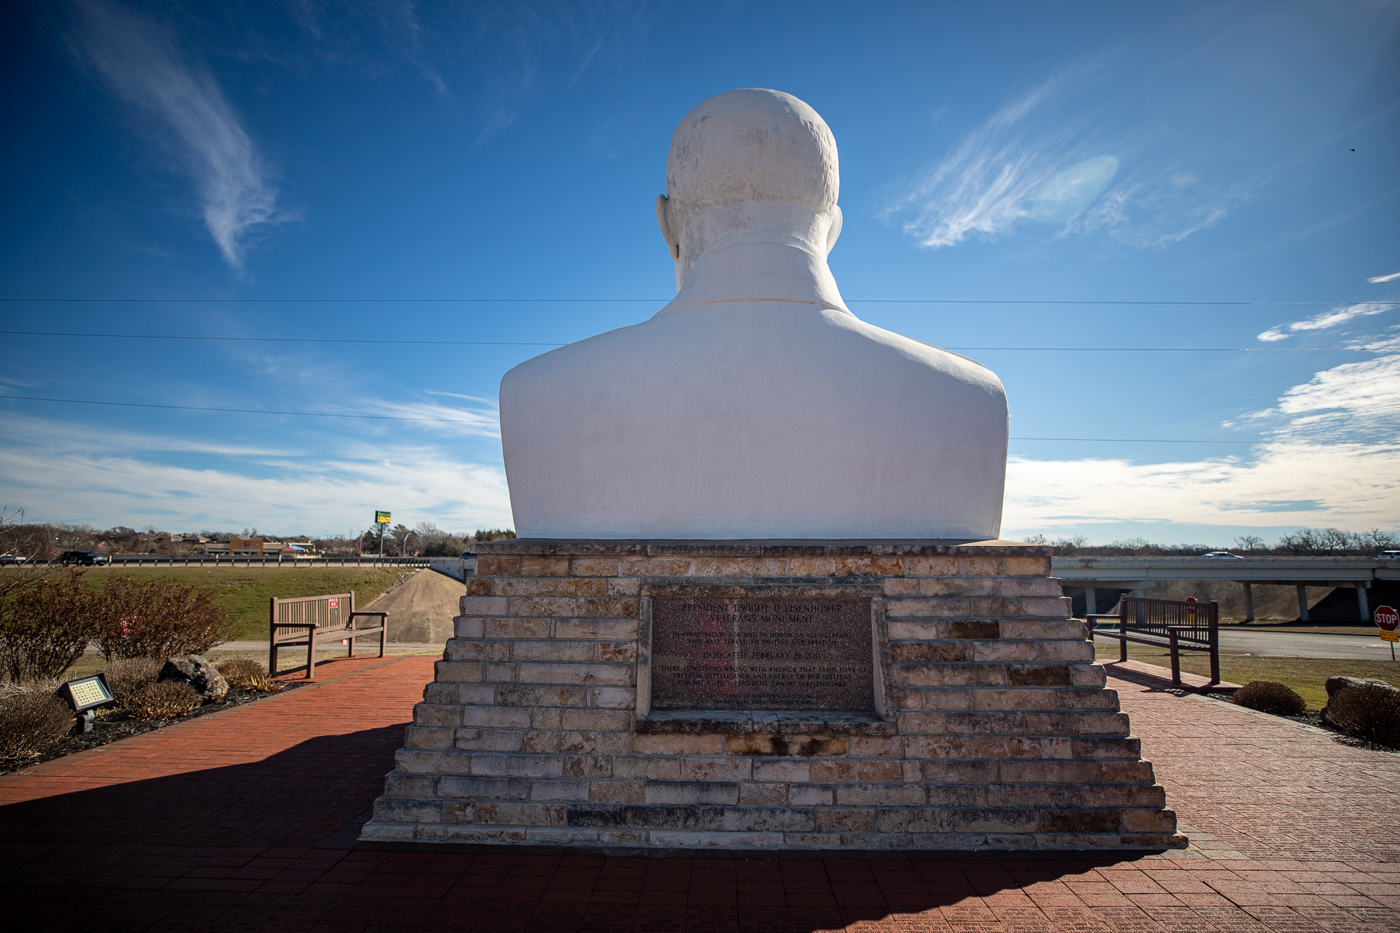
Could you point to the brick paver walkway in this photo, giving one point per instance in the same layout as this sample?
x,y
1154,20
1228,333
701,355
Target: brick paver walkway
x,y
246,821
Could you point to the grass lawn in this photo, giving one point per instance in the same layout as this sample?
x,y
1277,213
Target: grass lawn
x,y
1305,675
245,591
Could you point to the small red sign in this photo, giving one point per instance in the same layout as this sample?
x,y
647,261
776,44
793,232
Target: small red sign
x,y
1387,618
332,604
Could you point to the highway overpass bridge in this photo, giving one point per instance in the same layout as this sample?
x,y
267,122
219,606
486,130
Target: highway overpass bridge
x,y
1143,573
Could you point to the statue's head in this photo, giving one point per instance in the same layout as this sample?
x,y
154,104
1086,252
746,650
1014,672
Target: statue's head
x,y
749,161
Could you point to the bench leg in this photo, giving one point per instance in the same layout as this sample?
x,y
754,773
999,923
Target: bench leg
x,y
351,652
272,656
310,655
1176,659
383,637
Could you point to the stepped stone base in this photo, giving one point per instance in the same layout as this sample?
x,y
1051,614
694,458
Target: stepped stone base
x,y
992,727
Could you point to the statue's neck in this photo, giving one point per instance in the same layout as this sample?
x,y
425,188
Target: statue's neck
x,y
756,252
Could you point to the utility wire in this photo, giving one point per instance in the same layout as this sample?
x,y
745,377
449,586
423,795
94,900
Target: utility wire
x,y
926,301
523,343
318,414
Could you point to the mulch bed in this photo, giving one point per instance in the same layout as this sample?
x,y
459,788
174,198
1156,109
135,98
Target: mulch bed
x,y
118,725
1313,717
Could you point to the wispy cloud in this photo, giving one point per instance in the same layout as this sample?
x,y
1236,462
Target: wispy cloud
x,y
471,421
1378,279
1289,483
1332,458
86,473
141,62
1048,158
1326,320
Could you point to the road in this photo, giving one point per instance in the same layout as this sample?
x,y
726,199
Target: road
x,y
1304,645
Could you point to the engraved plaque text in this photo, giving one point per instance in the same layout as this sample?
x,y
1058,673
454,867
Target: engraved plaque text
x,y
774,653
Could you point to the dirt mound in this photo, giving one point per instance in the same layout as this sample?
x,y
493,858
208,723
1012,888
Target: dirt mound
x,y
421,608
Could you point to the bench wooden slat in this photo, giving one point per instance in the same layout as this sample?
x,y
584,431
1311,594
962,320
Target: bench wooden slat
x,y
308,621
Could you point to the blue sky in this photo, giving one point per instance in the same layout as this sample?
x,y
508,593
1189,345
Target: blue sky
x,y
1020,182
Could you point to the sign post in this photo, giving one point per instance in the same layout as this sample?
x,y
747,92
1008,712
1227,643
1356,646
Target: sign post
x,y
1388,620
382,520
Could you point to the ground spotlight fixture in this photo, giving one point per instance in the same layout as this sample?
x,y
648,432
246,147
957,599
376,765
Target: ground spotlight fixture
x,y
85,695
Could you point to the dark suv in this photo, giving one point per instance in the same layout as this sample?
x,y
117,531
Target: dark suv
x,y
82,558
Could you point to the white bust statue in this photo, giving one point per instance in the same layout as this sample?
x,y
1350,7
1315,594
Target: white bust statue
x,y
754,405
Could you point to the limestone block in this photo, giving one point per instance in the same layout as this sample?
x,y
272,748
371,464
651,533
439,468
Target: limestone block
x,y
617,792
434,714
808,795
517,628
560,791
763,795
846,772
692,792
489,740
407,811
467,627
791,771
468,786
594,566
646,769
483,605
672,744
521,814
541,695
552,651
880,795
613,697
491,566
542,566
587,674
716,769
591,767
420,738
517,765
596,629
451,672
765,746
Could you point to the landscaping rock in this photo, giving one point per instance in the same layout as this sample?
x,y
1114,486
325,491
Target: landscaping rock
x,y
199,674
1336,684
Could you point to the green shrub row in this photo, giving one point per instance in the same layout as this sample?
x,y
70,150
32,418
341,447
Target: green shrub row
x,y
46,625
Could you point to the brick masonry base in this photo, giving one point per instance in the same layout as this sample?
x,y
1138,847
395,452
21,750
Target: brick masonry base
x,y
999,732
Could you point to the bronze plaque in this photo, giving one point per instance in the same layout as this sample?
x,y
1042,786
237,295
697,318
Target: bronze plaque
x,y
773,653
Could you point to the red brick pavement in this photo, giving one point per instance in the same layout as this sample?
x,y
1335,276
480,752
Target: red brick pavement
x,y
246,821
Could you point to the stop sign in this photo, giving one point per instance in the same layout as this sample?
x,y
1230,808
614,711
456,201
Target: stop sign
x,y
1387,618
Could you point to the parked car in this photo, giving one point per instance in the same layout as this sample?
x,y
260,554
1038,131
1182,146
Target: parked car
x,y
1383,555
11,559
83,559
1222,555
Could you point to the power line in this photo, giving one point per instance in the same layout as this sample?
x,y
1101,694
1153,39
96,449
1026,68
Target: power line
x,y
471,343
524,343
245,411
318,414
931,301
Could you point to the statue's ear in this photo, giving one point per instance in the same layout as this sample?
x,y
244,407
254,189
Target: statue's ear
x,y
664,221
834,231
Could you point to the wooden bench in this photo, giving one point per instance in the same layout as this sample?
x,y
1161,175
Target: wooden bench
x,y
308,621
1166,623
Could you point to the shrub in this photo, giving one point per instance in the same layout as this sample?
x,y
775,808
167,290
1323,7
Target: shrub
x,y
128,676
32,719
247,674
1269,697
1371,713
163,700
45,627
158,619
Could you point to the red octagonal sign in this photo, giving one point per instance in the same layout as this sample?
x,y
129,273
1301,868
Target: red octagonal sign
x,y
1387,618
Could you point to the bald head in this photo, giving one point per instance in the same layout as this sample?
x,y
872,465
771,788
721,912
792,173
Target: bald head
x,y
752,145
745,160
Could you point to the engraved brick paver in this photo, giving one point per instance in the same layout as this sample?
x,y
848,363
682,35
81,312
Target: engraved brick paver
x,y
246,821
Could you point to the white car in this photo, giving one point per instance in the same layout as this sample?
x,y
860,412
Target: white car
x,y
1222,555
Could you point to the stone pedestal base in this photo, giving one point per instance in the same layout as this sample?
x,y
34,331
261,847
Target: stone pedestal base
x,y
991,727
